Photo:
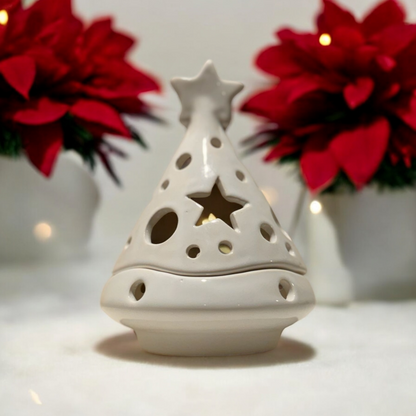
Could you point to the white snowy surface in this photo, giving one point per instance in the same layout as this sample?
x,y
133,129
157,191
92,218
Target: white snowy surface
x,y
56,342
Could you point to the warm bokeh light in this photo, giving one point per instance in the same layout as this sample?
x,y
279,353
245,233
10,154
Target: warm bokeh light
x,y
325,39
4,17
211,217
42,231
35,397
270,194
315,207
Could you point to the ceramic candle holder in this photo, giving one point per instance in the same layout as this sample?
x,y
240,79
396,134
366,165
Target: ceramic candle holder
x,y
207,270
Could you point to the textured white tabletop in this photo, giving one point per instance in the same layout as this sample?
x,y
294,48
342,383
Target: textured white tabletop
x,y
59,349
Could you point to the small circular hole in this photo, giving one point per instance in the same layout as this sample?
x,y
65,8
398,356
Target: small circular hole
x,y
138,290
216,143
290,249
165,184
184,161
128,243
225,247
193,252
268,233
240,175
286,290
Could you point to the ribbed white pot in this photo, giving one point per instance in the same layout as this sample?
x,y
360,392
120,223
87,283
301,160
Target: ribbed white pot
x,y
45,218
363,246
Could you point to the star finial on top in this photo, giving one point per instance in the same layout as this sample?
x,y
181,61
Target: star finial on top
x,y
206,89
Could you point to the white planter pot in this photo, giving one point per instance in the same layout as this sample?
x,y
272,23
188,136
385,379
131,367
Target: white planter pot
x,y
363,246
45,218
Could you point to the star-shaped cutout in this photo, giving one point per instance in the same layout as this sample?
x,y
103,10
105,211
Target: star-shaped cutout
x,y
216,206
207,84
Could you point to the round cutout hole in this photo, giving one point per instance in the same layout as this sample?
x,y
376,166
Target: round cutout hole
x,y
290,250
286,290
162,226
240,175
138,290
215,142
183,161
225,247
128,242
268,233
193,252
165,184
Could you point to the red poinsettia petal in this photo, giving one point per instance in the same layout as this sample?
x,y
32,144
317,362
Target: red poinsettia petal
x,y
394,39
386,62
358,92
101,35
273,104
334,16
332,57
403,145
129,105
19,72
347,37
405,69
360,151
391,91
52,10
99,113
286,146
61,41
10,4
37,112
385,14
42,145
118,79
270,103
318,164
278,61
407,112
303,85
49,68
361,59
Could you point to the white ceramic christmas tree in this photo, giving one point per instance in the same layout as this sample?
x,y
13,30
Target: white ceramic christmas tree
x,y
207,269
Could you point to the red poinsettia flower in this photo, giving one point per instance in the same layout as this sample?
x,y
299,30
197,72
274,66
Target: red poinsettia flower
x,y
344,99
64,85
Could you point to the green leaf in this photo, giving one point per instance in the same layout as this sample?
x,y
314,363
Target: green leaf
x,y
10,143
137,138
80,140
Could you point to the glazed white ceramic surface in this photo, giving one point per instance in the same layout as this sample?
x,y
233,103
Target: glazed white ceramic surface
x,y
208,98
182,315
239,309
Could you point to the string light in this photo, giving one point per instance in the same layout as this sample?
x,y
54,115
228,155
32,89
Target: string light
x,y
315,207
325,39
35,397
270,194
210,218
4,17
42,231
